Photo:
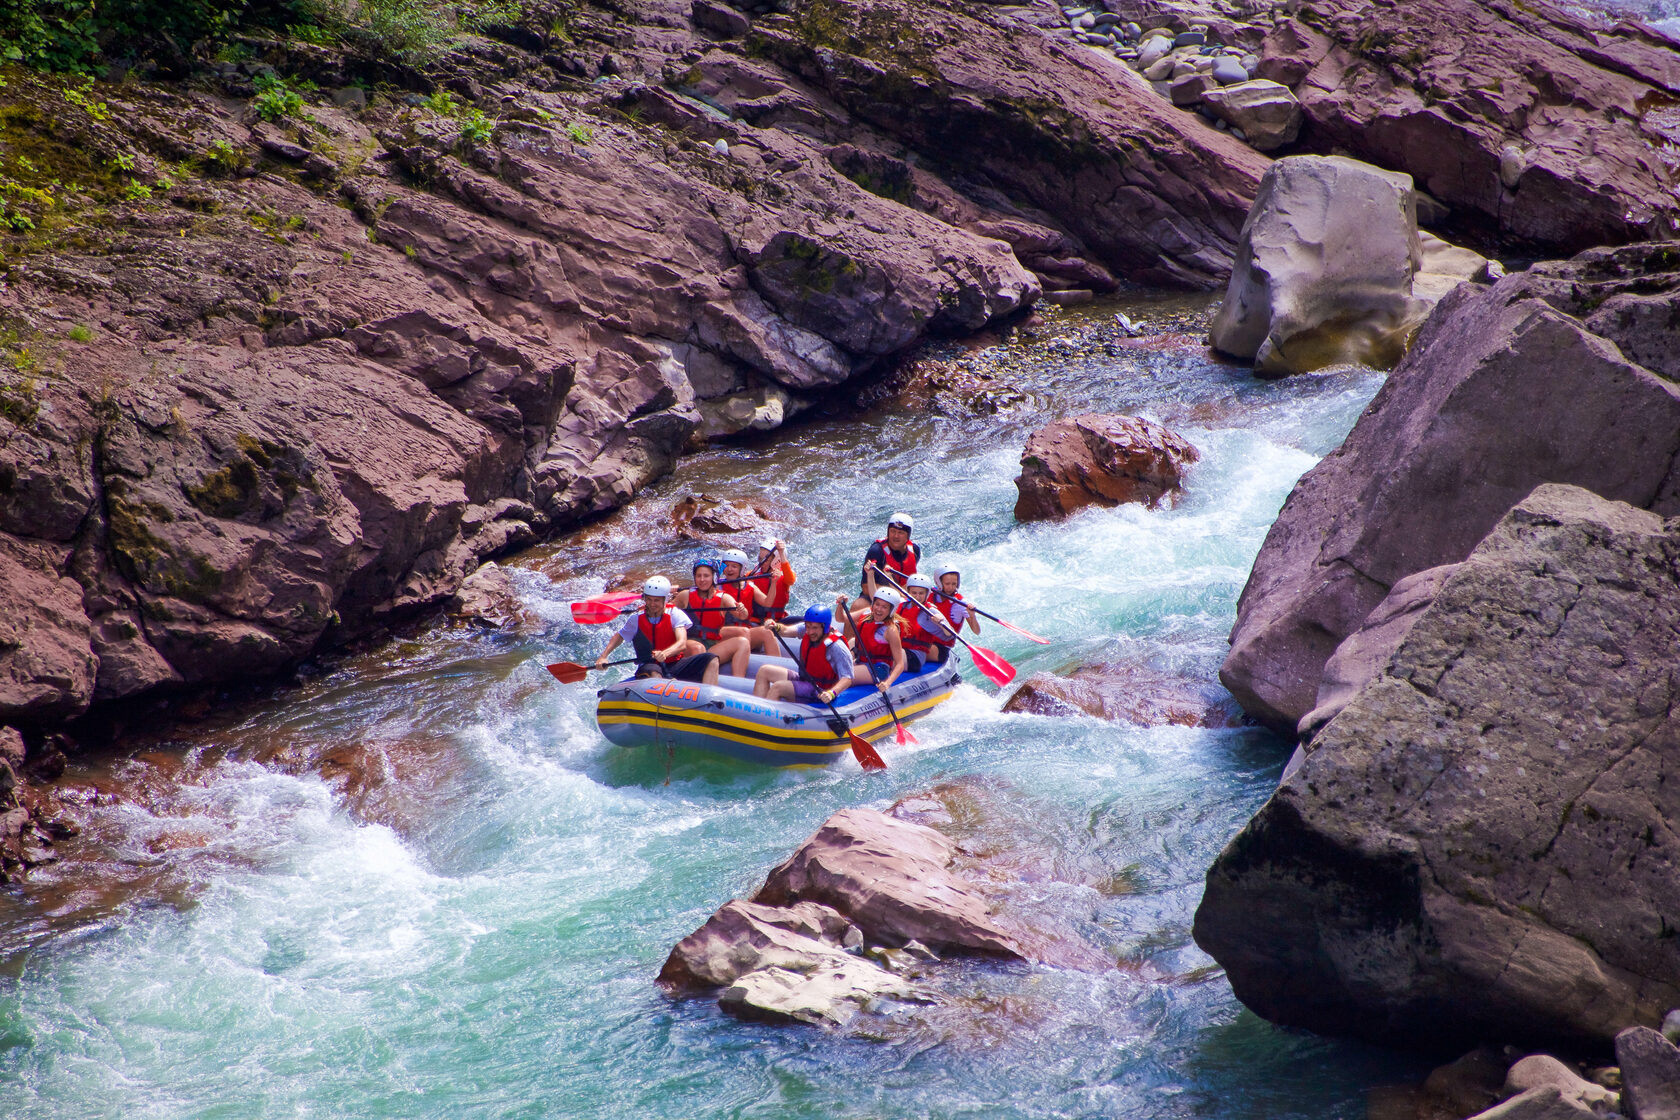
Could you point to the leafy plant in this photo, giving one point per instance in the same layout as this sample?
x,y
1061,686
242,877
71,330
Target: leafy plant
x,y
476,128
81,333
580,133
442,101
135,191
275,100
122,161
78,96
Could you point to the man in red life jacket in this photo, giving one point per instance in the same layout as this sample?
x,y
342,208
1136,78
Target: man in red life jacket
x,y
710,607
927,637
659,636
949,601
824,664
895,554
766,593
875,635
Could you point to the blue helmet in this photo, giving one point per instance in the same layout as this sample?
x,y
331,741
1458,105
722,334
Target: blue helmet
x,y
821,615
704,562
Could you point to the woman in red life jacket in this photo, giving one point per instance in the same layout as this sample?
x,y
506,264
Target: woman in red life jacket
x,y
927,638
766,593
895,554
949,601
710,606
880,651
659,636
824,663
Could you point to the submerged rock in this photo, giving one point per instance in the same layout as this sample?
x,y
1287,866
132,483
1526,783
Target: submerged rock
x,y
1501,392
1481,843
1324,269
1128,693
1100,459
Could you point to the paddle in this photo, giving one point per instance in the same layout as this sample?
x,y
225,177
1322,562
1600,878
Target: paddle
x,y
570,672
861,750
997,670
900,732
1028,634
601,608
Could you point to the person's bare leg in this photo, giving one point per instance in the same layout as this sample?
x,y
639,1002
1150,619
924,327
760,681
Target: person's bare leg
x,y
782,690
767,676
710,676
734,650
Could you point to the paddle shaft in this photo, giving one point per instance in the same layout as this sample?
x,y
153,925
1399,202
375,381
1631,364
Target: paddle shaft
x,y
937,617
865,754
1000,621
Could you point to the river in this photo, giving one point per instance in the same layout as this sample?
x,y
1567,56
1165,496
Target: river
x,y
473,931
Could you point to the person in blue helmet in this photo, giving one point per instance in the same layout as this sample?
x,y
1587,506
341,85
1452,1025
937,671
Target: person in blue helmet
x,y
710,609
824,662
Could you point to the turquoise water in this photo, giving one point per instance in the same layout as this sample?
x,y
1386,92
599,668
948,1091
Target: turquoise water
x,y
478,936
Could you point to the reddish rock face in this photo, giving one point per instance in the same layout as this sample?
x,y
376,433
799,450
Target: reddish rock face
x,y
1531,125
1070,464
1126,693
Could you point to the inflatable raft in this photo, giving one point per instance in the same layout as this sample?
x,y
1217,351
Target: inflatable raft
x,y
727,718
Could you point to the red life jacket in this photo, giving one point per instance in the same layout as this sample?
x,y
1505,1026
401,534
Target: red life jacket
x,y
814,663
916,636
661,634
777,607
708,614
872,640
894,566
943,604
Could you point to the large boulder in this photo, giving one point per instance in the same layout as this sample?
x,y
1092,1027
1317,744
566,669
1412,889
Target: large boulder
x,y
1650,1067
1324,269
894,880
1098,459
1533,125
1481,843
1501,392
1267,112
1126,692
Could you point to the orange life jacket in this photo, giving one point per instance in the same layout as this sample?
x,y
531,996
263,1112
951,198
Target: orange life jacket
x,y
777,608
659,635
898,568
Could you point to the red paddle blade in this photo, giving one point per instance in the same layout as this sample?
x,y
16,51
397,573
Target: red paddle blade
x,y
596,603
997,670
591,613
568,672
902,734
865,754
1027,634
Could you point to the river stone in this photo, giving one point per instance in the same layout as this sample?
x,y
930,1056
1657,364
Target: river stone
x,y
1543,1103
1482,843
1468,1085
1151,51
743,937
893,879
1228,71
1126,692
830,994
1324,269
1500,393
1538,1070
1100,459
1650,1074
1266,112
1187,90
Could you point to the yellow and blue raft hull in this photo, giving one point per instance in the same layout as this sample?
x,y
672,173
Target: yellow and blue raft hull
x,y
726,718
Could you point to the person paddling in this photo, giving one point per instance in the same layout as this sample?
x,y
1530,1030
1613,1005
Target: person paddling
x,y
824,664
895,553
949,601
766,592
659,635
710,607
880,651
926,640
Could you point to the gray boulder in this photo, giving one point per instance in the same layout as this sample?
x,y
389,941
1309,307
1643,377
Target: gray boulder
x,y
1267,112
1502,391
1481,843
1543,1103
1650,1074
1324,268
1541,1070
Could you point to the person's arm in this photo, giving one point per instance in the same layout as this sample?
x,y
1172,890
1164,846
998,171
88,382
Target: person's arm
x,y
840,660
869,560
899,661
664,655
734,607
842,606
612,643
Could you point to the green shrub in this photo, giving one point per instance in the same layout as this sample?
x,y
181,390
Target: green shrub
x,y
580,133
275,100
476,128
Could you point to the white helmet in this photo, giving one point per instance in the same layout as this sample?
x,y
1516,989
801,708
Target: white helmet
x,y
733,556
889,596
903,521
924,582
769,544
947,570
657,586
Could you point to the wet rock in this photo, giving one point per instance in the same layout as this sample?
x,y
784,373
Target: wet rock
x,y
701,516
1101,459
1540,129
487,597
743,937
1325,268
1469,1084
1650,1067
1500,393
1478,845
1543,1103
893,880
47,668
1128,693
1541,1070
1266,112
829,994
